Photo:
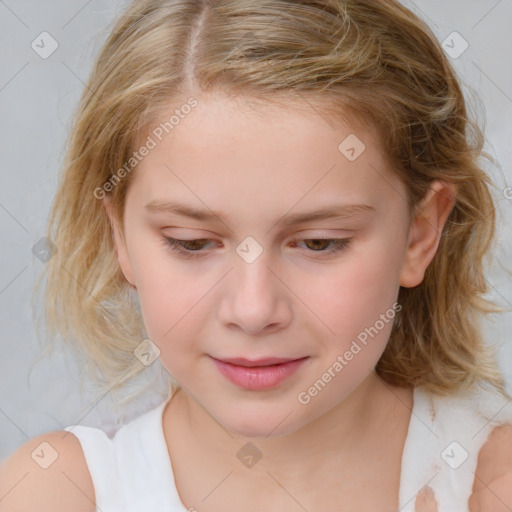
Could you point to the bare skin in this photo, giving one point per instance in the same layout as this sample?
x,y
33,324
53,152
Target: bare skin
x,y
330,471
291,301
342,448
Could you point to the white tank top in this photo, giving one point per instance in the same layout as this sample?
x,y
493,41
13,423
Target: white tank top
x,y
132,472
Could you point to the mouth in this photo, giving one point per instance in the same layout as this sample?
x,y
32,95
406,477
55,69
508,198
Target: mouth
x,y
258,374
266,361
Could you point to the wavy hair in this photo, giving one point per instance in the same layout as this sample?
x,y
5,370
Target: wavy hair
x,y
369,61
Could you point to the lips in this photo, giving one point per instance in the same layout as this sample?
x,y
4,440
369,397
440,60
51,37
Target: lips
x,y
266,361
262,374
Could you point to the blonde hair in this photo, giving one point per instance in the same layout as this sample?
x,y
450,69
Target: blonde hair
x,y
369,61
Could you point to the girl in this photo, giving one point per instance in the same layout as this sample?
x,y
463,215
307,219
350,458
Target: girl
x,y
282,202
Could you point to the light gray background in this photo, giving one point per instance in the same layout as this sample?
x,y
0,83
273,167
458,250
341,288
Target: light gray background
x,y
37,98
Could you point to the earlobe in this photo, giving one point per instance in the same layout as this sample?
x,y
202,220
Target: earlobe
x,y
425,232
119,243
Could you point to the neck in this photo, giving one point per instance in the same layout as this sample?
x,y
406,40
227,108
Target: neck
x,y
354,430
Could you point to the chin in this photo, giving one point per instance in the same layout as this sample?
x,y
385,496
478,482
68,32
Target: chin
x,y
254,426
257,431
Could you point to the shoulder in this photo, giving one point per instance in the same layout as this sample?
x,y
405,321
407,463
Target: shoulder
x,y
492,488
47,473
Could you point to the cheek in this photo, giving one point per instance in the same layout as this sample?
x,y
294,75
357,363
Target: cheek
x,y
167,303
170,319
342,302
161,288
173,303
357,292
358,304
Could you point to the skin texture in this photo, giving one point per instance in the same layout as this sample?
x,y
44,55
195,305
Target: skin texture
x,y
253,169
342,450
292,301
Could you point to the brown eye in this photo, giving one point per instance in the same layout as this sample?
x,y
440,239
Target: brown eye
x,y
321,245
317,243
187,248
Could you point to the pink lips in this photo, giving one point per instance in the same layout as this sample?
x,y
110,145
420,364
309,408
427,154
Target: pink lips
x,y
240,361
259,374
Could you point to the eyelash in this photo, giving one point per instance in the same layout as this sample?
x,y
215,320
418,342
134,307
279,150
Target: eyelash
x,y
176,245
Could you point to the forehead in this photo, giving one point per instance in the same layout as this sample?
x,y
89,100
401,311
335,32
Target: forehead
x,y
248,148
281,115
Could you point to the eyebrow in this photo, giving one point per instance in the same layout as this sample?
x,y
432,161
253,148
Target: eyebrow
x,y
327,212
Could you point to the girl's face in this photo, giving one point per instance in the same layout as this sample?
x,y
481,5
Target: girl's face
x,y
297,241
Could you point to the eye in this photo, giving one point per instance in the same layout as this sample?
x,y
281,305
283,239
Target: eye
x,y
193,248
180,246
335,244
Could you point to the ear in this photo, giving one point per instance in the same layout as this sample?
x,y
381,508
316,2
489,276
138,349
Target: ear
x,y
425,232
119,242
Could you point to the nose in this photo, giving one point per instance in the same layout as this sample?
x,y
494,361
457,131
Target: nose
x,y
255,299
